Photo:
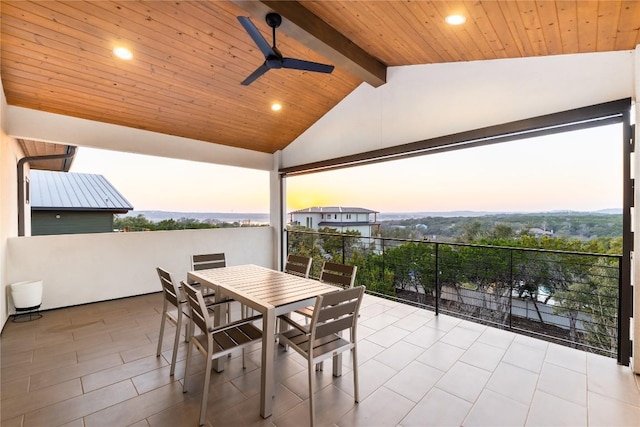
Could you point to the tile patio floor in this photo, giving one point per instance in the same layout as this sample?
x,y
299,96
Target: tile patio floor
x,y
95,365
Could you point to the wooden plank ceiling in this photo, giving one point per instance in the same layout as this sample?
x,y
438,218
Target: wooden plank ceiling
x,y
190,56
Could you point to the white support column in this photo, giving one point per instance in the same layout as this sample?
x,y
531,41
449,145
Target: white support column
x,y
277,208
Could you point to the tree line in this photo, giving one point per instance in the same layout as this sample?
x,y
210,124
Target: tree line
x,y
583,226
141,223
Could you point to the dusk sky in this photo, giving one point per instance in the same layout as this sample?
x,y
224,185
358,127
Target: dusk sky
x,y
570,171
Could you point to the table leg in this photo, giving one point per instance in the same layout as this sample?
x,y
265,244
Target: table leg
x,y
267,387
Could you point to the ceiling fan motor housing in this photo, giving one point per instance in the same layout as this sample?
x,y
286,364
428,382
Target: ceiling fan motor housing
x,y
273,19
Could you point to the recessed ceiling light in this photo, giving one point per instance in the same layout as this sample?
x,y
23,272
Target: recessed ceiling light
x,y
455,19
276,106
122,53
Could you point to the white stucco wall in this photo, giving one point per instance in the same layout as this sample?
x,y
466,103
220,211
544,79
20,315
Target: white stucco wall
x,y
10,153
8,194
425,101
84,268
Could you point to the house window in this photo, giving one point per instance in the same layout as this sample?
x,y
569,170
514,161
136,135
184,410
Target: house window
x,y
335,216
309,222
348,216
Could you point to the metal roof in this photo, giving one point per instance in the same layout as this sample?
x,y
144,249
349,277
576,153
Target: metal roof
x,y
74,191
333,209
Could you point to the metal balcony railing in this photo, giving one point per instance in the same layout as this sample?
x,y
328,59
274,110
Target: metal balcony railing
x,y
571,298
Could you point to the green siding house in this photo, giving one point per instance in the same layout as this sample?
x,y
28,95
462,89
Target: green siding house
x,y
73,203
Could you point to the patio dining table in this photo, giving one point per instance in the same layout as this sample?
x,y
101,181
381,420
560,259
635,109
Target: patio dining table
x,y
269,292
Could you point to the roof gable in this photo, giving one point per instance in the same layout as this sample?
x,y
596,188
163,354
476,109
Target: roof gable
x,y
75,191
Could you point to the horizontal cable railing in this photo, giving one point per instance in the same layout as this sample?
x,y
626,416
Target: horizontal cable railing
x,y
570,298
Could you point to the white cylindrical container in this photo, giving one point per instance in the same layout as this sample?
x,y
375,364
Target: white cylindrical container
x,y
27,295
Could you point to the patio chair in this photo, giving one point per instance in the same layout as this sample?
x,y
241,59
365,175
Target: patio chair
x,y
216,342
298,265
322,339
174,310
341,275
204,262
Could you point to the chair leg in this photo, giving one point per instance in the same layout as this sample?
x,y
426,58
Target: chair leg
x,y
162,322
356,388
174,354
205,390
337,365
312,411
186,369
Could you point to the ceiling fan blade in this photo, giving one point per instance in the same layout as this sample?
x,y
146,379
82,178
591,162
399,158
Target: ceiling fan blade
x,y
257,37
300,64
257,73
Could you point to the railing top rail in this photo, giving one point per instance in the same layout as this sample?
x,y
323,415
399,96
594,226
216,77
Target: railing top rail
x,y
470,245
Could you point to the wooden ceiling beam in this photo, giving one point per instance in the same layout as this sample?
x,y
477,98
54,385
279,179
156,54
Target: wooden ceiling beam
x,y
305,27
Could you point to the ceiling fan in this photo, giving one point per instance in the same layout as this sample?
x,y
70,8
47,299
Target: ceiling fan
x,y
273,57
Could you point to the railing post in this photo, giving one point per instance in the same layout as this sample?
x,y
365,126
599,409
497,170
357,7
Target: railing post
x,y
437,281
624,297
510,286
344,245
382,269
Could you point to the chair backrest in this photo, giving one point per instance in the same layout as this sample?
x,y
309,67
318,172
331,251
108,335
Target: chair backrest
x,y
206,261
198,309
338,274
298,265
169,288
336,312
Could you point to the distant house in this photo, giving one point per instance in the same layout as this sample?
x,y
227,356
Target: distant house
x,y
341,218
73,203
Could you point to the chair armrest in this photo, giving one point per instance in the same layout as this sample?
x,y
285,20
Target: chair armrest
x,y
212,304
235,324
295,324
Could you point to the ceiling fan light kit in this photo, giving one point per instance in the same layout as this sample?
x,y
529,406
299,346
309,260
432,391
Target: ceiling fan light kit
x,y
273,59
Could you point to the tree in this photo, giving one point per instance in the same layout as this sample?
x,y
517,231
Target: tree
x,y
594,300
131,223
373,274
501,231
489,271
413,267
338,247
471,231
